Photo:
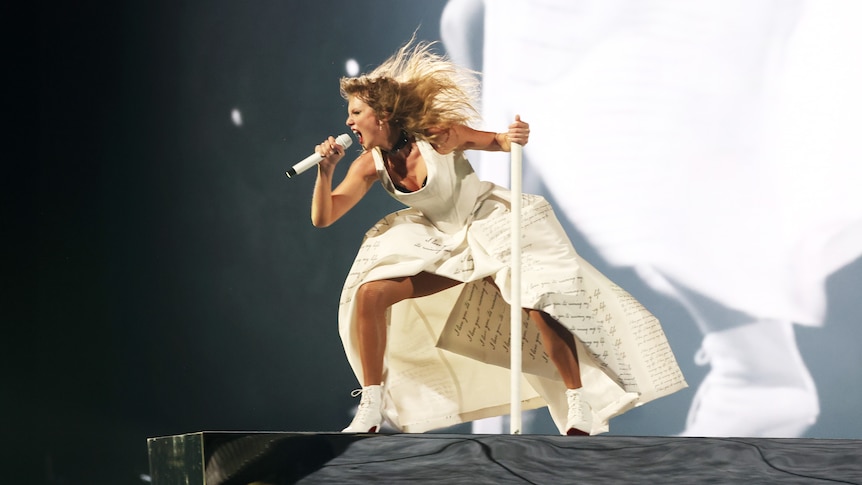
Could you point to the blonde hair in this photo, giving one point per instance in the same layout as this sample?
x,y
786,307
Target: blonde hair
x,y
418,91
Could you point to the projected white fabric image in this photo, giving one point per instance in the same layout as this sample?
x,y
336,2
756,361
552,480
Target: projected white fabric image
x,y
712,146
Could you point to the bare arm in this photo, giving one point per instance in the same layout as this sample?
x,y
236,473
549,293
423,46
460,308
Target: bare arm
x,y
328,204
462,137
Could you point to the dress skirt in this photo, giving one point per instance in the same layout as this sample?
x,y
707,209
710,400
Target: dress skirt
x,y
447,354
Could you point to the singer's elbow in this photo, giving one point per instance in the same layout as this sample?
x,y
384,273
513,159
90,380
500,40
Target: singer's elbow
x,y
319,223
318,220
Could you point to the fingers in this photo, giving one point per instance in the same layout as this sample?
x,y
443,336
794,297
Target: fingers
x,y
329,148
519,126
519,131
519,123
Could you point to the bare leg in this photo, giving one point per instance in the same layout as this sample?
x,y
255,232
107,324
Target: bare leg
x,y
560,345
373,299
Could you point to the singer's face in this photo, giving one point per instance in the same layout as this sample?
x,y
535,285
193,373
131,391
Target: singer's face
x,y
365,124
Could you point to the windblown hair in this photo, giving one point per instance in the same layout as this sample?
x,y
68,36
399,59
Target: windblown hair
x,y
418,91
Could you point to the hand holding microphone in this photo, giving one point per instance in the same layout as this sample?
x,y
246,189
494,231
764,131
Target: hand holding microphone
x,y
344,141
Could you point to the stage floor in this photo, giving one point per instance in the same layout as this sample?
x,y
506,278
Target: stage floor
x,y
231,458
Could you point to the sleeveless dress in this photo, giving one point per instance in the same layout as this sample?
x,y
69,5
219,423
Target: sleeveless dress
x,y
447,354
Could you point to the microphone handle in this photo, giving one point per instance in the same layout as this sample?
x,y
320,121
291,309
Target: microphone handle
x,y
344,140
304,165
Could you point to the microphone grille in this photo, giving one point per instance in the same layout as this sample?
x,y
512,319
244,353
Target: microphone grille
x,y
344,140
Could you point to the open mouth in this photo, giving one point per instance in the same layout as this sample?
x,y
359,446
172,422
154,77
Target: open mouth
x,y
358,135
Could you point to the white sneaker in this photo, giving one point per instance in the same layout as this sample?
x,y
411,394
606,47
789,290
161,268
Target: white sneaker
x,y
758,385
723,408
369,415
577,422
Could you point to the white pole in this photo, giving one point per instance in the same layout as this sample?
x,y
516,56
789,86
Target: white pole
x,y
516,324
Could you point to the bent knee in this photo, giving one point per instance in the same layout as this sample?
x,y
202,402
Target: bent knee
x,y
377,294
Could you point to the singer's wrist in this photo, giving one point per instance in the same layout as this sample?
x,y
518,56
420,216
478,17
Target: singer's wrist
x,y
501,140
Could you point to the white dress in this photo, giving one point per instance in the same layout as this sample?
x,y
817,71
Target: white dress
x,y
447,353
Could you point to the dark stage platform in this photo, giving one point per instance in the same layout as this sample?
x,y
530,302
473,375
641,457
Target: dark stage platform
x,y
233,458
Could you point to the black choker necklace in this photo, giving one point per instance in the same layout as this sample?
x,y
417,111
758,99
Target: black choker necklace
x,y
401,143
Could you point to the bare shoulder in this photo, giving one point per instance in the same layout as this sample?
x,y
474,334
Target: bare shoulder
x,y
363,166
461,137
445,139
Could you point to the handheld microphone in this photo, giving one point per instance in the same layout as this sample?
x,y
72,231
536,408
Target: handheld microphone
x,y
344,140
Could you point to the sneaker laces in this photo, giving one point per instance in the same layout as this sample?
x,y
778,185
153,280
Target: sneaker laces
x,y
364,409
575,413
702,357
576,408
